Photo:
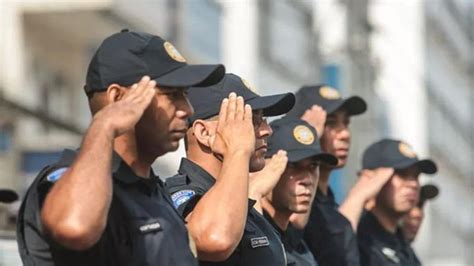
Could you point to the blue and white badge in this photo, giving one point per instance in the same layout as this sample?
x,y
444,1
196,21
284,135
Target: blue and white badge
x,y
56,174
181,197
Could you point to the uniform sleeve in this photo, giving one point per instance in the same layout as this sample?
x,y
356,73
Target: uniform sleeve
x,y
185,199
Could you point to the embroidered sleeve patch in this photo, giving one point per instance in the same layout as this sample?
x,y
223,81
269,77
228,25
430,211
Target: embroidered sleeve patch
x,y
181,197
56,174
259,242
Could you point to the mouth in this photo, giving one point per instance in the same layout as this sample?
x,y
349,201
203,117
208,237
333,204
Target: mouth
x,y
180,133
262,148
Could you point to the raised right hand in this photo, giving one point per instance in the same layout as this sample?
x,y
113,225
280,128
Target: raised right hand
x,y
316,117
370,182
123,114
235,130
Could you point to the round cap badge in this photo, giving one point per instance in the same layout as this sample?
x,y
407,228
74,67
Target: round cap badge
x,y
329,93
406,150
173,52
303,135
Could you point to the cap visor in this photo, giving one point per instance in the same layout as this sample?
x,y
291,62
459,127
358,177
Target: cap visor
x,y
428,192
8,196
192,75
426,166
354,105
273,105
298,155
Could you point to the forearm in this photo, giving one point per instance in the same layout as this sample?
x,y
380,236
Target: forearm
x,y
352,209
218,220
75,210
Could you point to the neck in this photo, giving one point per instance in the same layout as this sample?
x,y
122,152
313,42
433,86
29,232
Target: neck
x,y
281,219
387,218
323,183
206,161
139,162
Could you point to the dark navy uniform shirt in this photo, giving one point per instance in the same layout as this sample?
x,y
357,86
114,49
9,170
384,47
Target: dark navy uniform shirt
x,y
297,252
329,234
378,247
260,244
142,227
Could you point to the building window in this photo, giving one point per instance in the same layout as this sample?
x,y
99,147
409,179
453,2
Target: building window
x,y
287,39
202,29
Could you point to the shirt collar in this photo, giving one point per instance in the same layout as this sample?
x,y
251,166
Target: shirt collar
x,y
123,173
393,240
196,174
328,199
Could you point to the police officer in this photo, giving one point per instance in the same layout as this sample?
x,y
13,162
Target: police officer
x,y
330,231
412,221
211,189
295,190
102,204
380,240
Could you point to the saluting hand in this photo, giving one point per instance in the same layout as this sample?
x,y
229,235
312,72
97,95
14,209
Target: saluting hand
x,y
123,114
316,117
371,181
263,182
235,130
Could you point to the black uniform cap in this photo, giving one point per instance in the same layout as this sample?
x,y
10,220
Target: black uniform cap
x,y
125,57
8,196
395,154
298,139
428,192
207,101
328,98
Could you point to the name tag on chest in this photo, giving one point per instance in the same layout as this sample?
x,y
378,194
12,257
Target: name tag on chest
x,y
257,242
150,227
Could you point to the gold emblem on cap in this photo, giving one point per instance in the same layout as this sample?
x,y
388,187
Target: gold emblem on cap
x,y
248,85
406,150
303,135
173,52
329,93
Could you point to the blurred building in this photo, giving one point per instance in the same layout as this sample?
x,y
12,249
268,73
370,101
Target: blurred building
x,y
449,79
424,74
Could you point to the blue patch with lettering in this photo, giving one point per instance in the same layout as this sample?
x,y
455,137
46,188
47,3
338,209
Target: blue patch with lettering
x,y
56,174
181,197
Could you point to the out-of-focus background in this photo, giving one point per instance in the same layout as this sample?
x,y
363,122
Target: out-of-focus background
x,y
412,61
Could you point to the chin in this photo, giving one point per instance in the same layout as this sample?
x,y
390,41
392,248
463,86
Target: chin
x,y
256,165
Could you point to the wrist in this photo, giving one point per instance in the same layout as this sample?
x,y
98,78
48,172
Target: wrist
x,y
103,125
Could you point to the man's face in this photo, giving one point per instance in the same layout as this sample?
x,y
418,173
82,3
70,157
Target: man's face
x,y
336,138
412,222
164,122
294,192
400,194
262,132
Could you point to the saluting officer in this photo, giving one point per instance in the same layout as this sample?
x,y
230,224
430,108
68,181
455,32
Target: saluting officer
x,y
381,241
102,204
330,231
227,140
296,188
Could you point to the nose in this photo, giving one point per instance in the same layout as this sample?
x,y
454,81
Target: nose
x,y
344,133
184,108
308,179
264,130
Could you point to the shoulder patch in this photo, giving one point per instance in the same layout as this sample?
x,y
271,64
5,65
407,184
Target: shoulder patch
x,y
56,174
181,197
